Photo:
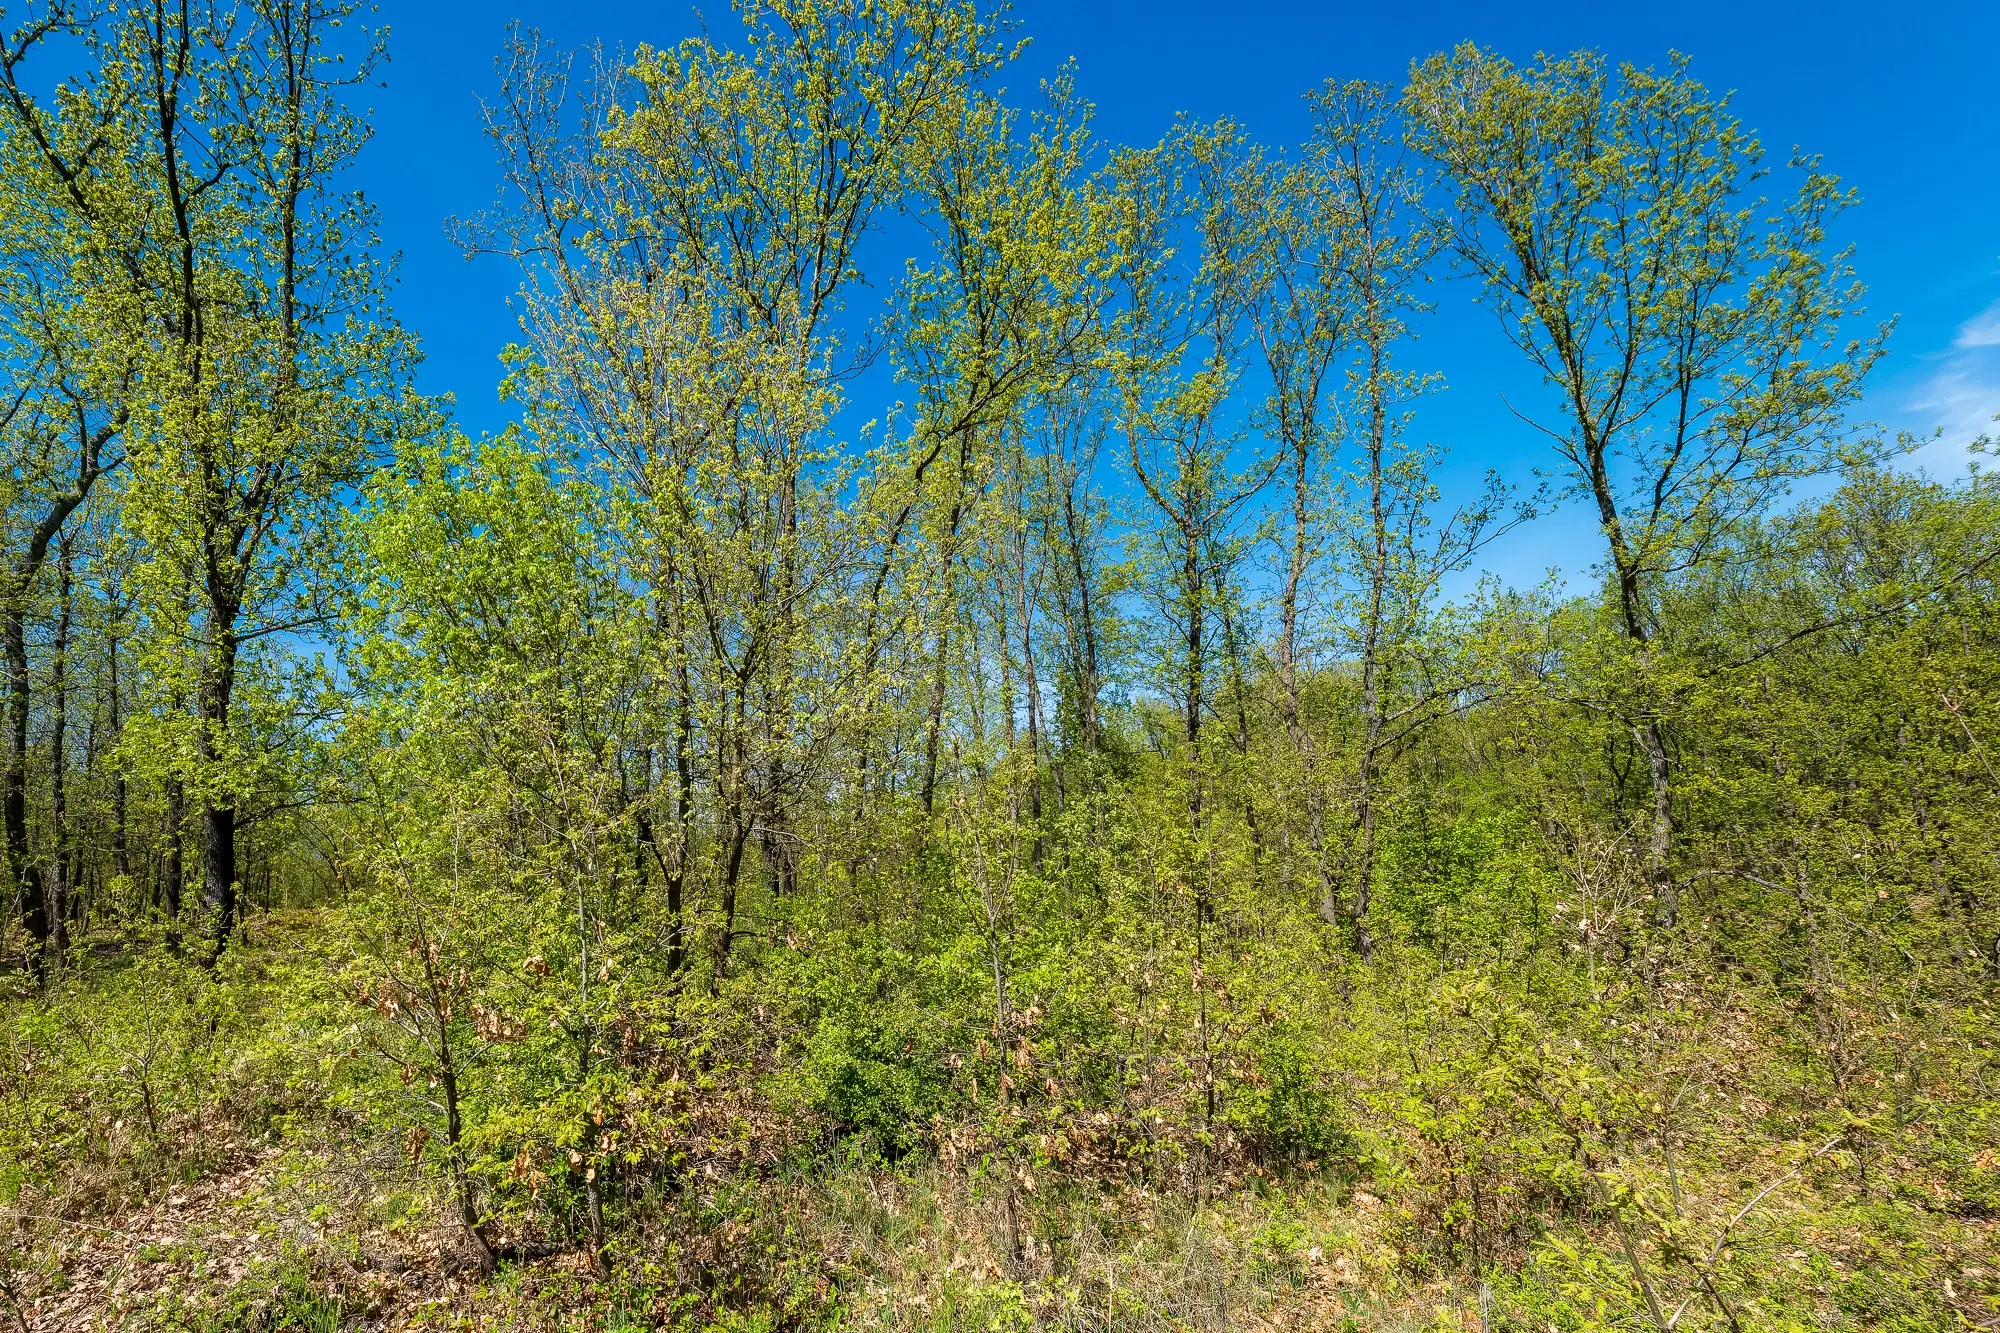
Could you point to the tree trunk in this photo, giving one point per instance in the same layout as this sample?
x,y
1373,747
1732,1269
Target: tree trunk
x,y
461,1176
683,828
1650,734
934,720
732,873
218,818
1659,769
121,844
28,886
60,886
1373,717
1086,687
935,724
1031,687
218,869
1193,587
1239,687
176,869
439,999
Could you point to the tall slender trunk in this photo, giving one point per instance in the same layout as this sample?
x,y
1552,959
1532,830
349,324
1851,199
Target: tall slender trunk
x,y
449,1071
218,817
1081,629
121,845
29,889
1373,715
1194,681
934,719
1288,596
1087,673
1660,845
1030,681
176,870
683,823
1649,733
739,821
934,723
731,875
1239,688
670,626
169,42
1652,739
454,1131
1291,685
177,813
774,844
60,887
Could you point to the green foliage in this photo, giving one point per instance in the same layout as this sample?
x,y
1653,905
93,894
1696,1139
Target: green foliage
x,y
122,1079
1048,855
1470,888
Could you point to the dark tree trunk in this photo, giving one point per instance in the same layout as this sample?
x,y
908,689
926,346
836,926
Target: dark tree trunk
x,y
1031,690
218,869
1649,733
1086,614
1239,688
683,829
29,889
1373,713
218,817
1194,587
121,845
60,886
731,874
176,869
934,722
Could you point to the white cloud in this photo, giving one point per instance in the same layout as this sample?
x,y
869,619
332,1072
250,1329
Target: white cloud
x,y
1957,391
1982,330
1961,399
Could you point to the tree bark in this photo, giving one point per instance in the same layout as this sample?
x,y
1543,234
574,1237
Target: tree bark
x,y
121,845
1371,641
176,868
60,886
28,887
29,890
218,818
1193,587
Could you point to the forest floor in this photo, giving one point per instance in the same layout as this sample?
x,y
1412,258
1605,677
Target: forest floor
x,y
222,1250
244,1249
240,1248
256,1200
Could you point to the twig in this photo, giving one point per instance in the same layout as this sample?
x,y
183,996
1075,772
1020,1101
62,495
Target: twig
x,y
1660,1321
19,1216
1743,1212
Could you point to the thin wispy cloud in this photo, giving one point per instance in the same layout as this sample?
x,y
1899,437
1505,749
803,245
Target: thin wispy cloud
x,y
1982,330
1960,396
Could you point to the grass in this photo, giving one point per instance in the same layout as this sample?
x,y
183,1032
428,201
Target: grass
x,y
256,1198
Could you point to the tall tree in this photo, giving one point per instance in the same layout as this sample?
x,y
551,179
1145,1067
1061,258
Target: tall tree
x,y
63,403
691,253
1394,541
1303,330
1693,332
1177,362
276,375
1009,304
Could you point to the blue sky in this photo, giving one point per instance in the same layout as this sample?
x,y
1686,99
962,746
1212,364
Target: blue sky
x,y
1898,100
